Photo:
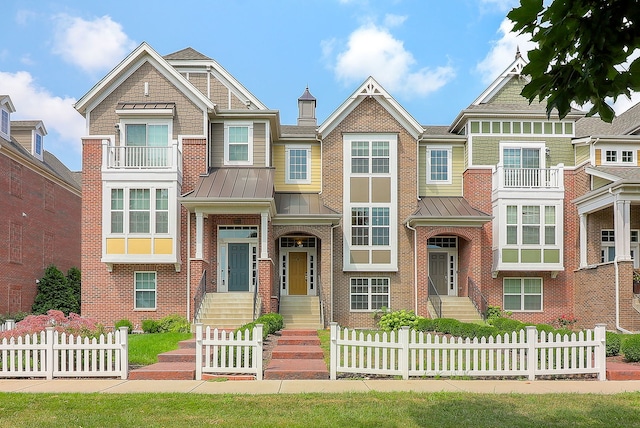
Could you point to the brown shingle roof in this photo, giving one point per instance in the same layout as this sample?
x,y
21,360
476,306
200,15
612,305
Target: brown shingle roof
x,y
186,53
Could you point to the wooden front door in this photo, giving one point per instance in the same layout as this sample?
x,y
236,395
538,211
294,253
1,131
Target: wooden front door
x,y
297,273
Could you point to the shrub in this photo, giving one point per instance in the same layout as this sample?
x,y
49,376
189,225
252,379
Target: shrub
x,y
630,348
174,324
507,324
272,322
124,323
486,331
425,324
544,327
150,326
447,325
17,317
493,312
613,343
396,319
73,324
54,292
74,280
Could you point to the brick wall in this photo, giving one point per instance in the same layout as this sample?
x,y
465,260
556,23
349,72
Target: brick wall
x,y
39,225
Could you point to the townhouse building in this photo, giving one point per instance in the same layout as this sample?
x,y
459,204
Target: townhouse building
x,y
40,201
198,201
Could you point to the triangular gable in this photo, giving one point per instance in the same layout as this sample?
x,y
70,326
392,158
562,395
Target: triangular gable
x,y
514,70
371,88
5,100
141,55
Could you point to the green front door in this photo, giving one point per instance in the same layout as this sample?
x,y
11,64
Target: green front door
x,y
238,267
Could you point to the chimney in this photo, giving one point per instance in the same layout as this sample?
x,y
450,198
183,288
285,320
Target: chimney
x,y
307,109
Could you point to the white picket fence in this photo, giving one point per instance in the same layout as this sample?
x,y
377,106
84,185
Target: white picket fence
x,y
411,353
7,325
52,354
222,352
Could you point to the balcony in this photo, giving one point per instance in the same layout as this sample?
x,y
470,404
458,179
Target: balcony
x,y
145,158
525,182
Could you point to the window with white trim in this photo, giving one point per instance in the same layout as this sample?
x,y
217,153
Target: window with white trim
x,y
374,225
619,156
38,144
608,246
139,211
4,122
147,142
439,162
298,164
531,225
238,144
369,294
522,294
370,157
145,290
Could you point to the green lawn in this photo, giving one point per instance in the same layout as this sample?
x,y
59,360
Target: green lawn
x,y
372,409
144,348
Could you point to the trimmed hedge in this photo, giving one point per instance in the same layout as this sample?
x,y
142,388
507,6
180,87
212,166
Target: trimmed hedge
x,y
270,324
630,348
124,323
614,341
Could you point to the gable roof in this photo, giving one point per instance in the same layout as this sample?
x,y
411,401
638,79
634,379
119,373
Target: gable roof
x,y
627,123
371,89
188,54
141,55
5,100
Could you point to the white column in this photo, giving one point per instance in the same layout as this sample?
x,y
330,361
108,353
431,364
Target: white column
x,y
199,234
583,240
622,229
264,252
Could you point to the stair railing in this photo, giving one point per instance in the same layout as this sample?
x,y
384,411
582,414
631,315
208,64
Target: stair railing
x,y
319,291
434,298
198,298
477,298
256,308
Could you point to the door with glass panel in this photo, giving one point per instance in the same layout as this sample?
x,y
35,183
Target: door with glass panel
x,y
147,145
522,167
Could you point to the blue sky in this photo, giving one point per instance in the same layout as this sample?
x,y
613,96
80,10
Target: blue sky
x,y
434,57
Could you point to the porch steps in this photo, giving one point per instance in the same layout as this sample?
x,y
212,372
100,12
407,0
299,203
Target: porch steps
x,y
179,364
297,355
301,312
226,310
460,308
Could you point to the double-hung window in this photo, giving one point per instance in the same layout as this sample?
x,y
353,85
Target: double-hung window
x,y
238,144
439,165
145,290
298,161
522,294
369,294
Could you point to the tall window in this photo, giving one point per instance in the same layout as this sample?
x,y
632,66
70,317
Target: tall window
x,y
522,294
139,207
139,211
162,210
145,290
370,157
369,294
439,165
38,144
4,122
298,165
531,225
117,210
238,148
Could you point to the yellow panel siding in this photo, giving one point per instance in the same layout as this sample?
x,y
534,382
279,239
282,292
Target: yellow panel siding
x,y
598,157
163,246
139,245
457,170
278,152
115,246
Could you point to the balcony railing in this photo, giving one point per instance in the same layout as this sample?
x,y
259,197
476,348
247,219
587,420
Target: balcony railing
x,y
528,178
146,157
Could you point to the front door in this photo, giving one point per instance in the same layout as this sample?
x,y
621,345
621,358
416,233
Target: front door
x,y
298,273
238,267
438,272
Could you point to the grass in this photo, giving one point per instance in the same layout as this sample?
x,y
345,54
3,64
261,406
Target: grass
x,y
144,348
406,409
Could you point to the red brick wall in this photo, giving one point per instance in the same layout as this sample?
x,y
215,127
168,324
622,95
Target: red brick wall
x,y
50,233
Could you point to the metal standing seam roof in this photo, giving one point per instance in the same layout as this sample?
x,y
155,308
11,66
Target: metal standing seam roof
x,y
301,204
235,183
146,106
447,207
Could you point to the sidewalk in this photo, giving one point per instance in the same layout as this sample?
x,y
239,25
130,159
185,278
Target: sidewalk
x,y
321,386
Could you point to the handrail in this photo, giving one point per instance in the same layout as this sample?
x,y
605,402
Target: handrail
x,y
201,292
477,298
434,298
319,292
255,299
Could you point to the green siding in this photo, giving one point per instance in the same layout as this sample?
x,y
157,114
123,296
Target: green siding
x,y
531,256
582,154
599,182
509,256
486,150
551,256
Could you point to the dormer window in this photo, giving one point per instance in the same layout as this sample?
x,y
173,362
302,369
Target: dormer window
x,y
619,156
4,122
37,145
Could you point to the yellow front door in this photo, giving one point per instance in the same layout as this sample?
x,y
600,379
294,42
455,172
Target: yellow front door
x,y
298,274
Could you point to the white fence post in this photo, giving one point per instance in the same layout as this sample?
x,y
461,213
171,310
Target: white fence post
x,y
124,352
49,364
601,351
532,351
403,338
257,336
333,351
199,351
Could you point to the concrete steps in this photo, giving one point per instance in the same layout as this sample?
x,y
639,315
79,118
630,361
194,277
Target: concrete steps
x,y
460,308
226,310
179,364
297,356
301,312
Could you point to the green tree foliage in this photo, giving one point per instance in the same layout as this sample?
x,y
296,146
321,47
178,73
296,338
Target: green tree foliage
x,y
75,283
583,52
54,292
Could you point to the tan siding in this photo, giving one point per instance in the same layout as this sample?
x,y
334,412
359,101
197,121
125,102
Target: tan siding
x,y
259,144
219,93
279,163
199,80
217,145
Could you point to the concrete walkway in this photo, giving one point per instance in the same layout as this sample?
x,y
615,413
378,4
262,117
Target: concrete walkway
x,y
321,386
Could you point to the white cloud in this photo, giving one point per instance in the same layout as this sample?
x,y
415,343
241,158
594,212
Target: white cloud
x,y
391,20
32,102
373,51
92,45
503,52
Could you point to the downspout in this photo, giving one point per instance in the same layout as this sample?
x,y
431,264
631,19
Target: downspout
x,y
189,266
331,277
617,280
415,267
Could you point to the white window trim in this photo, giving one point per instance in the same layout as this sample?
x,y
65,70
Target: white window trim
x,y
34,151
369,294
290,147
524,145
449,151
618,150
522,294
155,291
228,125
8,133
122,126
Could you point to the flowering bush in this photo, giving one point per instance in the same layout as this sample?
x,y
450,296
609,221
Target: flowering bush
x,y
73,324
564,321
